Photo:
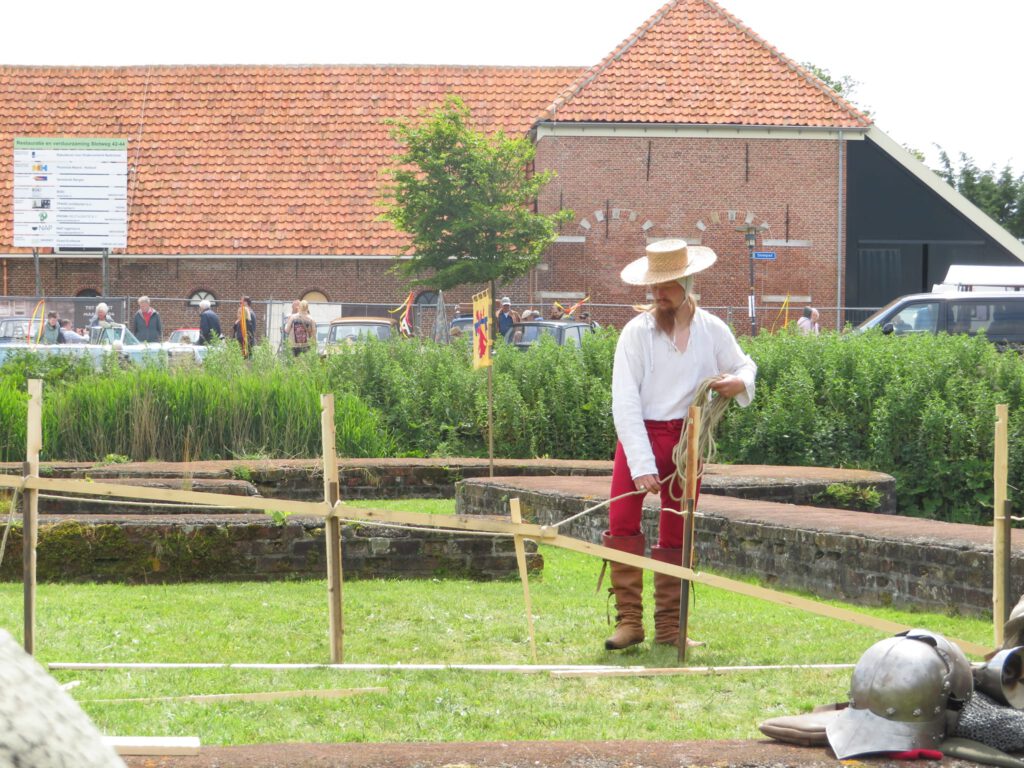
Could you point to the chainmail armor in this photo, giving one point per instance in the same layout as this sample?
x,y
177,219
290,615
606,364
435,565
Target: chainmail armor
x,y
991,723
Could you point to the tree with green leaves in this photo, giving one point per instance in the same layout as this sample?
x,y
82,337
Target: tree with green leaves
x,y
465,199
844,85
999,194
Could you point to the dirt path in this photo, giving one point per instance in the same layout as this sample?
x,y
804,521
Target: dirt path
x,y
521,754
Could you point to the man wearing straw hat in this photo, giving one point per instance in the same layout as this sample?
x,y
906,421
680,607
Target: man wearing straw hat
x,y
661,359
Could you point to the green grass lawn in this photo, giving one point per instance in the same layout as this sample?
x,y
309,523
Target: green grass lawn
x,y
437,621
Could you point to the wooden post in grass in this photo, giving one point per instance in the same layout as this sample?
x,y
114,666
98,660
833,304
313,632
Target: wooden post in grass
x,y
692,469
30,505
332,528
524,576
1000,529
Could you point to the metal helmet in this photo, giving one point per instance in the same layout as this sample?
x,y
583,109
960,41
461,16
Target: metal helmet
x,y
899,694
962,678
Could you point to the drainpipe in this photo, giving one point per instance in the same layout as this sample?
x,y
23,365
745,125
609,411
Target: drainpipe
x,y
5,278
839,240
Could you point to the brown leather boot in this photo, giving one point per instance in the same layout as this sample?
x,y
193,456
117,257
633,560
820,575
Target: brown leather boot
x,y
667,591
627,586
666,597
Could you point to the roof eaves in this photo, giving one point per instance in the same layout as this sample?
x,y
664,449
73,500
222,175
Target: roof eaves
x,y
862,119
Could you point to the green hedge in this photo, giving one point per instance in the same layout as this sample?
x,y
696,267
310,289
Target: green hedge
x,y
920,408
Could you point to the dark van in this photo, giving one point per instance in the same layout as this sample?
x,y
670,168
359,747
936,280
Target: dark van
x,y
999,315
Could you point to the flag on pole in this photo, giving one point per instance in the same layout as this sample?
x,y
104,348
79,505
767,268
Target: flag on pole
x,y
481,336
404,326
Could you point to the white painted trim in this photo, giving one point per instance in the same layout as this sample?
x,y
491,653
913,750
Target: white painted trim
x,y
560,294
211,256
775,299
787,243
653,130
570,239
931,179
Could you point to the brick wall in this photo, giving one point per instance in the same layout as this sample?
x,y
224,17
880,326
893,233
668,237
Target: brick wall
x,y
666,184
625,191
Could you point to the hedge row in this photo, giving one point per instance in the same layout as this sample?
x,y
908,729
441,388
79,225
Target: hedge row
x,y
920,408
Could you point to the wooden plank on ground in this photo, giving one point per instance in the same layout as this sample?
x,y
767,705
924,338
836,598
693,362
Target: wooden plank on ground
x,y
336,693
154,745
672,671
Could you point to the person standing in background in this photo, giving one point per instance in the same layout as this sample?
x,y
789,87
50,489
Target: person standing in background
x,y
146,324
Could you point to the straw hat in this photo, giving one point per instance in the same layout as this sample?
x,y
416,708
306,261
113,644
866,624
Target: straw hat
x,y
668,260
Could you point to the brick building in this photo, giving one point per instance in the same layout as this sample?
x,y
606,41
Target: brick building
x,y
266,180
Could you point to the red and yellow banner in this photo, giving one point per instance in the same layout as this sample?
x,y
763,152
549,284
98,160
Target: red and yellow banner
x,y
481,337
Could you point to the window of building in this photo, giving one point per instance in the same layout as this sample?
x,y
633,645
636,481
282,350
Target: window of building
x,y
199,296
315,297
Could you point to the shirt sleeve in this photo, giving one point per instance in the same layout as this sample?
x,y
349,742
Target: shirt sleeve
x,y
627,409
731,359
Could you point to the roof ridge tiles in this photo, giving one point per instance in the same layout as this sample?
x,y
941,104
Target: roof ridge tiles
x,y
800,70
577,89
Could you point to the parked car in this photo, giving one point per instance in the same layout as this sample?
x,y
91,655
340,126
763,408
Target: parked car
x,y
14,329
462,324
184,336
111,337
349,330
999,315
565,332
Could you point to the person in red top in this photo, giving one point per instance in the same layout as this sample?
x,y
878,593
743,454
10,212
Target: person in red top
x,y
146,323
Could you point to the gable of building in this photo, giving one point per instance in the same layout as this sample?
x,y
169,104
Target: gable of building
x,y
693,63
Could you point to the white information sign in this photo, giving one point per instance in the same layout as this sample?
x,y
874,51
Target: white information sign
x,y
70,193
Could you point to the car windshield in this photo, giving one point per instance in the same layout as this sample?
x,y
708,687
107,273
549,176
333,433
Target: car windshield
x,y
112,334
14,327
528,334
352,331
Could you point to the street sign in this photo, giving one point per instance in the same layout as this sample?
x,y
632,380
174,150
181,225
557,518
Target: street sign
x,y
70,193
764,255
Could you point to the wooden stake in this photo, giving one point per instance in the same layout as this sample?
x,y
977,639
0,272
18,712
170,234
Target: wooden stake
x,y
332,530
517,518
1000,529
30,505
490,418
692,463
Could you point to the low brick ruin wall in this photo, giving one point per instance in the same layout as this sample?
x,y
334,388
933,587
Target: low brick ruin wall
x,y
840,554
244,547
92,539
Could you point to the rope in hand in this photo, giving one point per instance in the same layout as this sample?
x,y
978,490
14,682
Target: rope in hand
x,y
713,408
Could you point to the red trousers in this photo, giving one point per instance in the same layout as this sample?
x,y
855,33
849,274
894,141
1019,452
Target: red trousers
x,y
625,514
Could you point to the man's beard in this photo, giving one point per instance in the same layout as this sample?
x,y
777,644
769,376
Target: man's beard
x,y
665,317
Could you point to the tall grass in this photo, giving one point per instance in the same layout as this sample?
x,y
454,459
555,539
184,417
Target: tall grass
x,y
919,408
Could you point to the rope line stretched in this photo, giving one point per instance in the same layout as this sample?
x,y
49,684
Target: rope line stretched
x,y
712,411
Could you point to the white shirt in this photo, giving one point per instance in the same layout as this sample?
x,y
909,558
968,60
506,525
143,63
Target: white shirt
x,y
654,380
806,326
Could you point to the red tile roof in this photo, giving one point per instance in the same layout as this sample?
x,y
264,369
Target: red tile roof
x,y
256,159
286,160
694,63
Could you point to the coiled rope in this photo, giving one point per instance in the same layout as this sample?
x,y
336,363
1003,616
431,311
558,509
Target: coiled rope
x,y
713,408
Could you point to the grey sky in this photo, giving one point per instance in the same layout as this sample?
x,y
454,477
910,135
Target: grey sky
x,y
929,71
